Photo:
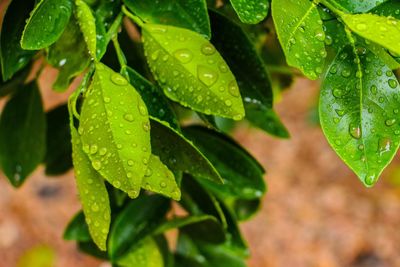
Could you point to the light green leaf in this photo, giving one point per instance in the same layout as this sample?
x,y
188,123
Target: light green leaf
x,y
251,11
145,254
179,154
69,54
115,130
160,179
300,32
46,24
381,30
191,71
22,134
189,14
87,22
359,111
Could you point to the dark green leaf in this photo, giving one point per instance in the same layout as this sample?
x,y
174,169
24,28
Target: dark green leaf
x,y
13,57
77,229
22,134
189,14
180,222
220,256
359,112
15,83
46,24
388,8
244,209
91,249
251,11
242,174
358,6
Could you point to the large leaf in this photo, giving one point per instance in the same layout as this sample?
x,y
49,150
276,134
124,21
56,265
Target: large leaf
x,y
145,254
191,71
359,112
135,222
359,6
242,174
254,84
179,154
381,30
388,8
77,229
69,54
46,24
157,104
189,14
115,130
87,23
251,11
301,35
13,57
22,134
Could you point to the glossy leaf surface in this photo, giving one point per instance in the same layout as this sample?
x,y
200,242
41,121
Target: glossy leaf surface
x,y
359,6
115,130
46,24
87,23
22,134
145,254
359,112
251,11
301,35
77,229
191,71
189,14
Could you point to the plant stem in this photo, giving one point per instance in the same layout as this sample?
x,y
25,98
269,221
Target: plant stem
x,y
136,19
121,57
282,70
115,26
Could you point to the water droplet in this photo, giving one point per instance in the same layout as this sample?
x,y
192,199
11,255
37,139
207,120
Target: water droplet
x,y
154,56
142,110
337,92
345,73
106,99
238,117
361,26
370,179
390,122
355,131
374,89
163,184
233,89
96,164
95,207
149,172
207,49
228,103
183,55
206,75
146,126
117,184
129,117
223,68
384,145
118,79
103,151
130,162
93,149
340,112
392,83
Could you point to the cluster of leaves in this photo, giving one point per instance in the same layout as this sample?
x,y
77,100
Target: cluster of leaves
x,y
144,67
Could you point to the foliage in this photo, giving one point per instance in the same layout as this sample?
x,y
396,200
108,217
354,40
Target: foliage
x,y
145,68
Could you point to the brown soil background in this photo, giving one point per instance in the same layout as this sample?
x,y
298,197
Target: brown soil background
x,y
316,213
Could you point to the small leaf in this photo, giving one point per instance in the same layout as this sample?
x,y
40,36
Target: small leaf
x,y
69,54
156,102
46,24
135,222
242,174
77,229
92,193
179,154
359,112
22,134
301,35
251,11
160,179
13,57
58,157
191,71
189,14
145,254
381,30
87,23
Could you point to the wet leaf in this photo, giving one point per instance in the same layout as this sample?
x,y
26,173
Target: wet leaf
x,y
46,24
87,23
388,8
359,112
300,32
242,174
179,154
115,130
359,6
13,57
69,54
189,14
77,229
191,71
145,254
160,179
251,11
22,134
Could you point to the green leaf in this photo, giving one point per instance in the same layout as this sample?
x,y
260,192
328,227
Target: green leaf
x,y
359,112
358,6
242,174
87,23
160,179
46,24
69,54
115,130
14,83
157,104
244,209
220,256
381,30
179,154
13,57
145,254
189,14
22,134
77,229
301,35
251,11
249,69
135,222
191,71
388,8
58,157
92,193
91,249
181,222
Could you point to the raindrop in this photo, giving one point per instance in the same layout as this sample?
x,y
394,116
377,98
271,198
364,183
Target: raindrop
x,y
129,117
207,49
355,131
96,165
118,79
384,145
390,122
206,75
183,55
392,83
233,89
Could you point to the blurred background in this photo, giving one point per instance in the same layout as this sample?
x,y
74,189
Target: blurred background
x,y
315,214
